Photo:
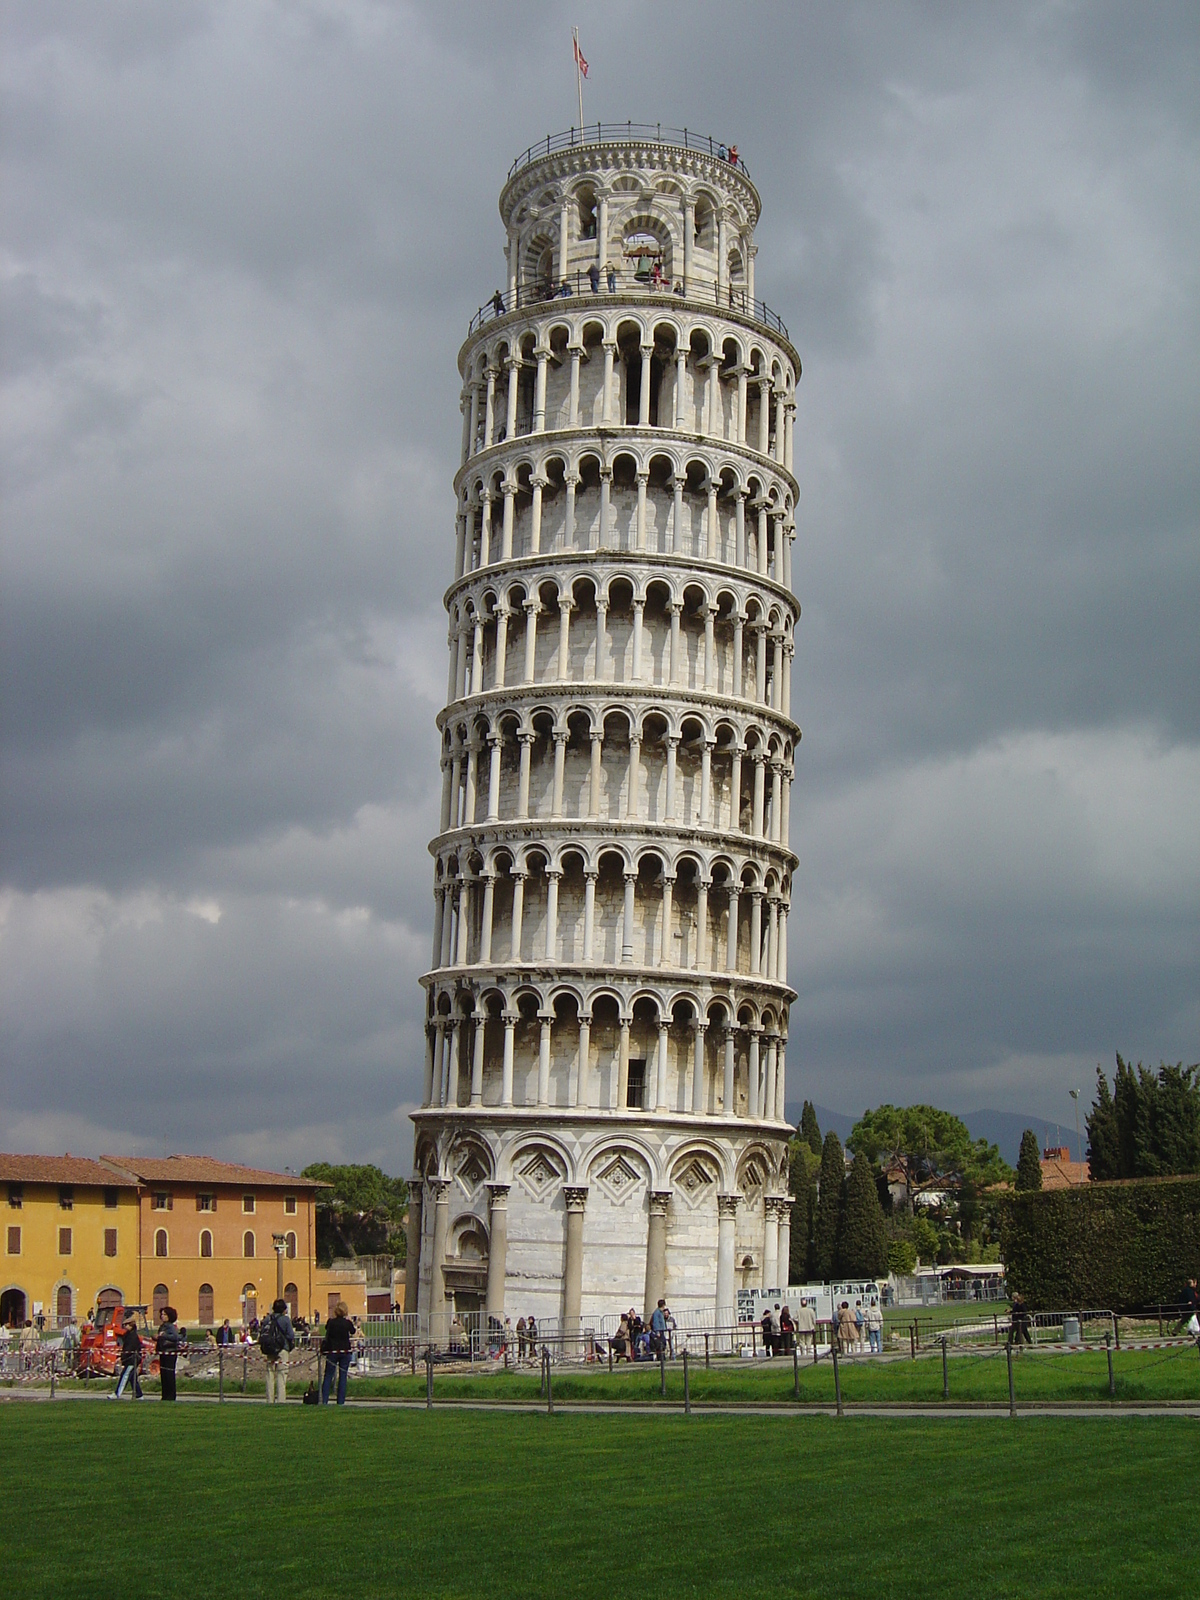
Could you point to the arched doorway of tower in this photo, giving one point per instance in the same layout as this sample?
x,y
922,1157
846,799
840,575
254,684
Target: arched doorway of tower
x,y
12,1308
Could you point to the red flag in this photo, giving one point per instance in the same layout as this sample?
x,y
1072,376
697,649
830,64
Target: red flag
x,y
580,60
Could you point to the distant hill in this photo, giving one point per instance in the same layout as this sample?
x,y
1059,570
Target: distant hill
x,y
1001,1128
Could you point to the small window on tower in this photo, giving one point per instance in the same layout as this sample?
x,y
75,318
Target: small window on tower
x,y
635,1093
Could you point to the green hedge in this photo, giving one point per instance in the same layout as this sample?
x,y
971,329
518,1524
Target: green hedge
x,y
1113,1246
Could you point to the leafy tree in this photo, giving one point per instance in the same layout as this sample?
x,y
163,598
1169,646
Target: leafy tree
x,y
1029,1163
1149,1126
360,1212
925,1237
926,1144
902,1257
968,1210
863,1249
827,1226
810,1132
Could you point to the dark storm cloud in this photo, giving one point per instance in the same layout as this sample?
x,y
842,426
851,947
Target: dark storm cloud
x,y
241,246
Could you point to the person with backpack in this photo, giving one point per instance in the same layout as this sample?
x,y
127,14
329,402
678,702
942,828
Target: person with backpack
x,y
170,1341
336,1347
276,1340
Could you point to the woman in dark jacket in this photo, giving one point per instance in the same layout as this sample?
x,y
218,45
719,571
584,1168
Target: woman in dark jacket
x,y
336,1348
169,1343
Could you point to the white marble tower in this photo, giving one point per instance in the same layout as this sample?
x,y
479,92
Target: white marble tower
x,y
603,1114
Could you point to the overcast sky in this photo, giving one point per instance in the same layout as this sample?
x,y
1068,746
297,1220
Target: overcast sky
x,y
241,243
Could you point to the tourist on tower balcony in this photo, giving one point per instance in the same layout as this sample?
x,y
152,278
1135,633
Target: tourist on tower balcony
x,y
610,272
594,278
498,304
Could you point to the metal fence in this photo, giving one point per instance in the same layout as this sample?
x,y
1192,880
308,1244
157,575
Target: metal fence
x,y
700,292
618,132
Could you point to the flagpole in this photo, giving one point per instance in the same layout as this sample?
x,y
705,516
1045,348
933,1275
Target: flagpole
x,y
578,78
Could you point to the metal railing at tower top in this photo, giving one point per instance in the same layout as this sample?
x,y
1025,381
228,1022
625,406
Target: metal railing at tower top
x,y
706,293
643,132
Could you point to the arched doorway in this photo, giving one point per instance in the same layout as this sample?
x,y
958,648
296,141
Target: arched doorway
x,y
204,1313
12,1308
63,1307
162,1298
292,1295
249,1302
105,1300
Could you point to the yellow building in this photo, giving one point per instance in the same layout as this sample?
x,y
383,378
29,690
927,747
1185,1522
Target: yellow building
x,y
185,1231
207,1230
70,1238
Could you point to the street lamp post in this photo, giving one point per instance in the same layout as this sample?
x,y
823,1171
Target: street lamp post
x,y
1074,1093
279,1240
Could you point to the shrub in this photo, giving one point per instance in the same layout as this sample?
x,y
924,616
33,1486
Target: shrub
x,y
902,1257
1112,1246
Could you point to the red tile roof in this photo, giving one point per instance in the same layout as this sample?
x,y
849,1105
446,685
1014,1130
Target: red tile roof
x,y
1061,1174
204,1169
62,1169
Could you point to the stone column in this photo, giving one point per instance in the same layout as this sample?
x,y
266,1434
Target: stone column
x,y
610,350
535,515
785,1239
498,671
643,478
552,876
565,608
531,608
656,1248
727,1205
689,235
735,791
600,672
740,536
543,1089
485,529
755,932
456,1028
576,1204
495,740
674,609
728,1094
436,1097
412,1259
560,768
681,356
576,353
581,1087
764,414
489,905
568,540
756,823
665,951
705,819
525,740
518,912
489,414
509,489
740,420
497,1249
768,1108
477,1059
623,1067
771,1244
427,1089
699,1029
631,789
477,658
701,962
660,1066
627,927
597,751
439,1190
644,391
589,912
755,1104
780,1112
539,392
639,607
564,236
506,1078
731,932
672,767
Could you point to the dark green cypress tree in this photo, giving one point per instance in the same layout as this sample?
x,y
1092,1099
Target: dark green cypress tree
x,y
863,1251
1104,1135
1146,1160
1125,1100
828,1223
810,1132
1029,1162
1177,1137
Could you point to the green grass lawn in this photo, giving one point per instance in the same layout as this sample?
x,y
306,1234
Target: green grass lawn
x,y
1139,1375
252,1501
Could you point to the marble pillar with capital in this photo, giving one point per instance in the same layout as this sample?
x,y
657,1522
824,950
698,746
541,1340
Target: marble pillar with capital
x,y
497,1248
656,1249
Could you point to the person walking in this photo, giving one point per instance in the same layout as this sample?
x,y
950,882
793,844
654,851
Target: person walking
x,y
130,1358
277,1340
1189,1309
521,1339
167,1345
1019,1321
336,1347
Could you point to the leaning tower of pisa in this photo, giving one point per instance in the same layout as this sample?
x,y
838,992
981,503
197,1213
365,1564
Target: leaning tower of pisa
x,y
607,1002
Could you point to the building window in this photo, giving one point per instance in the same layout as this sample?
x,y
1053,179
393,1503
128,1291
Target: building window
x,y
206,1202
205,1244
289,1205
160,1242
291,1247
66,1199
110,1199
14,1241
110,1241
64,1241
635,1092
16,1196
248,1204
162,1202
248,1244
